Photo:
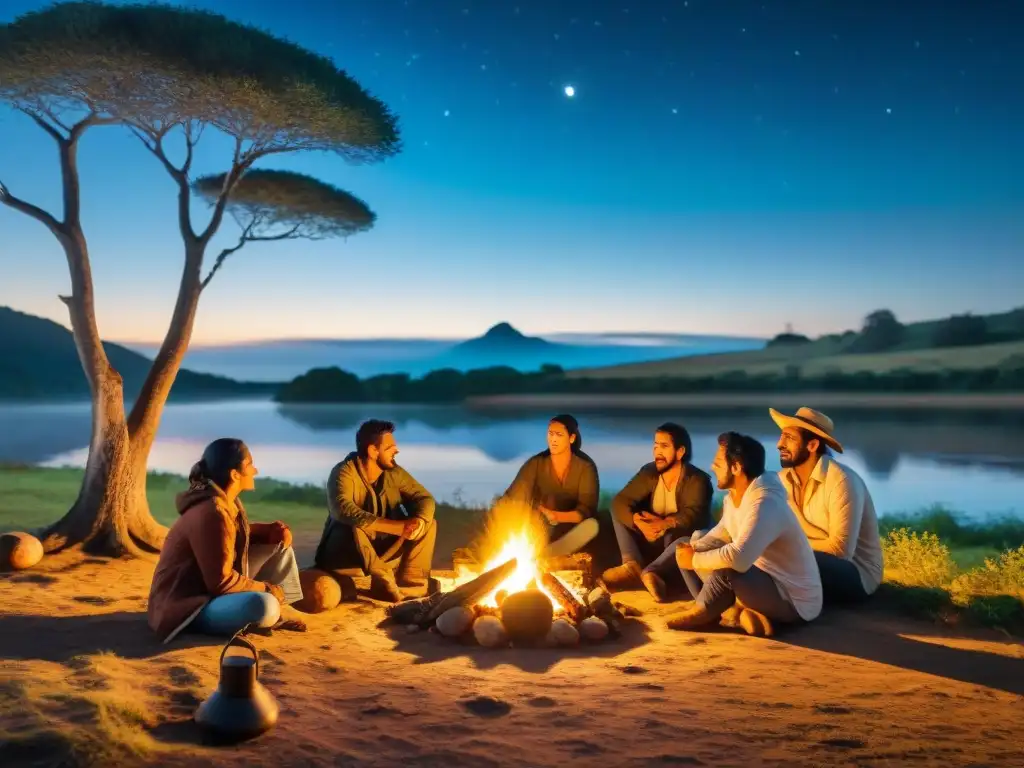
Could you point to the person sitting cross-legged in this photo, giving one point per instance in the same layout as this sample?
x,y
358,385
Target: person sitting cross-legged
x,y
833,506
218,573
758,569
379,518
561,484
664,503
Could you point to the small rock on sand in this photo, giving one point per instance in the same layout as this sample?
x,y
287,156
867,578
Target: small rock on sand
x,y
454,621
19,551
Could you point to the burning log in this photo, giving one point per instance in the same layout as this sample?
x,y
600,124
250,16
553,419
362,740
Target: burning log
x,y
581,561
569,603
414,611
471,591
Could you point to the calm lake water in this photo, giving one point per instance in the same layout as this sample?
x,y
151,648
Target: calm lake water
x,y
970,462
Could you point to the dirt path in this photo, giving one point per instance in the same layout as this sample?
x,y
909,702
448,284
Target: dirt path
x,y
79,668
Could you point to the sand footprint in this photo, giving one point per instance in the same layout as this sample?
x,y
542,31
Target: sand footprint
x,y
485,706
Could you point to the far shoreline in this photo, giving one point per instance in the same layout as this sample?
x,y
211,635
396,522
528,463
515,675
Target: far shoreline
x,y
845,400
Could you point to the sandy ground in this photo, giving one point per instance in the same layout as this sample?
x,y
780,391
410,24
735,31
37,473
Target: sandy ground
x,y
78,666
924,401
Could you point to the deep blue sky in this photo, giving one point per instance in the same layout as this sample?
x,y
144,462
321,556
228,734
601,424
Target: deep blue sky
x,y
724,167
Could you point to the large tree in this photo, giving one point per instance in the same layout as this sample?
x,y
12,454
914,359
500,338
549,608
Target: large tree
x,y
166,74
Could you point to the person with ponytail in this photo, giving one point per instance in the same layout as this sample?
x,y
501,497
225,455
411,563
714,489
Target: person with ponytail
x,y
562,485
219,573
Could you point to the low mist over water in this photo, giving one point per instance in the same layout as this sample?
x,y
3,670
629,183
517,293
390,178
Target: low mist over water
x,y
284,360
969,462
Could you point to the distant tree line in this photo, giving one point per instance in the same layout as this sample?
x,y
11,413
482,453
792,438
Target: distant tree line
x,y
333,385
883,332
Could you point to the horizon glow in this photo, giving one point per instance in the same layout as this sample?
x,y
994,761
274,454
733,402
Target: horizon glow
x,y
712,182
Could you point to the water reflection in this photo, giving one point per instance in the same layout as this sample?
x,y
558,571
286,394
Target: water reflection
x,y
973,462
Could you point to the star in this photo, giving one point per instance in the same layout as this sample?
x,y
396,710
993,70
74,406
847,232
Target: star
x,y
447,112
569,91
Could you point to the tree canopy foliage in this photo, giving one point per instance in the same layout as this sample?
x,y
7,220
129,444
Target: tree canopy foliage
x,y
881,332
157,66
269,204
282,205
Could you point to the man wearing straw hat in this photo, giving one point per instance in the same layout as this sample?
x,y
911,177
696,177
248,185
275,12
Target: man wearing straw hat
x,y
832,504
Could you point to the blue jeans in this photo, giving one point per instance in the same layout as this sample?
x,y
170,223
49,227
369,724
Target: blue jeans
x,y
754,588
226,614
658,556
666,561
840,579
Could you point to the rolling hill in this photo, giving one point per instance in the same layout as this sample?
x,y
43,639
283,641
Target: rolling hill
x,y
39,361
831,353
284,359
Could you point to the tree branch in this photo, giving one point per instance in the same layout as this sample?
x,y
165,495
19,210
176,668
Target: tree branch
x,y
34,211
54,133
154,142
239,164
247,237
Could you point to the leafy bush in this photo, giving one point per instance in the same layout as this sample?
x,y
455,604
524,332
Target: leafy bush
x,y
997,533
993,593
916,559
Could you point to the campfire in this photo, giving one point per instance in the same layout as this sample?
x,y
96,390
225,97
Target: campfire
x,y
515,596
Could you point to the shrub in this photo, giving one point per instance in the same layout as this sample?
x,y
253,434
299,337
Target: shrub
x,y
917,559
993,593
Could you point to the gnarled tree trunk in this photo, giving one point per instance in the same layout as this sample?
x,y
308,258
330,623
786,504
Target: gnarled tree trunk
x,y
111,514
106,517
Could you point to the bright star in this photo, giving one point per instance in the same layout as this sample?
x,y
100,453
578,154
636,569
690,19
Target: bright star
x,y
569,91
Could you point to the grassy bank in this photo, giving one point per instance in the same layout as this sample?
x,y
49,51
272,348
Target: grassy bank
x,y
928,401
938,564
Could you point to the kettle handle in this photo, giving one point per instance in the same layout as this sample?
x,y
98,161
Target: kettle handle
x,y
240,642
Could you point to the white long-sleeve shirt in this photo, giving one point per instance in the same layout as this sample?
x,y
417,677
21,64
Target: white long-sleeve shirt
x,y
762,532
838,516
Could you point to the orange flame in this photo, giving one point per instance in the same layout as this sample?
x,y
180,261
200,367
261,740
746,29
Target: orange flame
x,y
513,531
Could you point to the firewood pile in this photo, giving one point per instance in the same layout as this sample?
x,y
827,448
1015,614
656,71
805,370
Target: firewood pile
x,y
546,614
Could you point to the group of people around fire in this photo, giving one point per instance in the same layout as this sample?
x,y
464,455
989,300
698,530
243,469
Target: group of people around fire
x,y
786,543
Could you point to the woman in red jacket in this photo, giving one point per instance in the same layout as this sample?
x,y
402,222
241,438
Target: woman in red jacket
x,y
217,572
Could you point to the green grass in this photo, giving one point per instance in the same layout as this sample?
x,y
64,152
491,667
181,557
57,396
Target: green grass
x,y
938,564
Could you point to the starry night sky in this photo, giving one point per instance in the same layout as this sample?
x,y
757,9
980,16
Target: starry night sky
x,y
722,167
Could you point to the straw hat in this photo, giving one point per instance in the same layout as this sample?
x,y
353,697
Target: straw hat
x,y
811,420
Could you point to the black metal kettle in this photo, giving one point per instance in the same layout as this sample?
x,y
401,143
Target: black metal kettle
x,y
241,708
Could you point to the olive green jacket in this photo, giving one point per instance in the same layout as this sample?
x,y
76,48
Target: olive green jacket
x,y
352,500
536,484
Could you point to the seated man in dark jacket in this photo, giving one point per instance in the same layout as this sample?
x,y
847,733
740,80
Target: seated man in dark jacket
x,y
378,514
665,502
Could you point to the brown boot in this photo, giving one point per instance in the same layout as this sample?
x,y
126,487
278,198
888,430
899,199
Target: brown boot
x,y
696,617
411,578
384,588
656,586
756,624
625,576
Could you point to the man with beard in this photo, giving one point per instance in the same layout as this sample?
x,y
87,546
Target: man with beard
x,y
758,568
380,517
665,501
832,505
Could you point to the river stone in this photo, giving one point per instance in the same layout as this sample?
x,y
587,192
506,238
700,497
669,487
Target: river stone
x,y
19,551
527,616
563,633
454,621
593,629
489,632
320,591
